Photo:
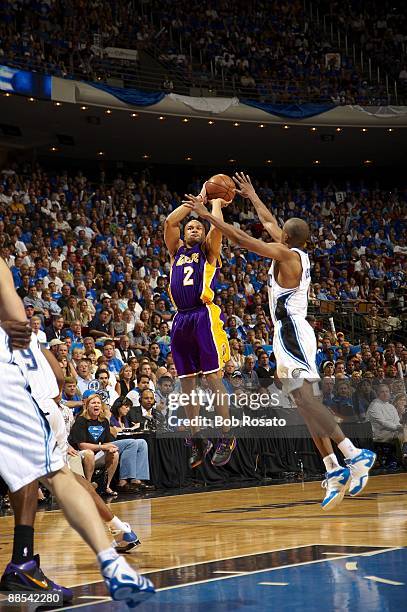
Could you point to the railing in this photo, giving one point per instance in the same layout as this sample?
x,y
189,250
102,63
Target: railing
x,y
342,38
356,321
122,73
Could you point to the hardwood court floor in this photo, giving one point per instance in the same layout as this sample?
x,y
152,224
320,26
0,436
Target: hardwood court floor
x,y
194,528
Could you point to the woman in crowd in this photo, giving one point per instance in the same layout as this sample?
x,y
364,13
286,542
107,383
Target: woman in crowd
x,y
125,383
91,431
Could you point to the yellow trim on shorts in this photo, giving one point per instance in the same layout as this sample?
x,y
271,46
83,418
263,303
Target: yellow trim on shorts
x,y
218,334
208,294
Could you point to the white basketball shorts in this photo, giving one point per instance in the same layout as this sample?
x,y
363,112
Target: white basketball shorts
x,y
295,348
28,449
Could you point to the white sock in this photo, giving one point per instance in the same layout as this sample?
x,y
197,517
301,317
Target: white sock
x,y
107,555
348,450
116,523
331,462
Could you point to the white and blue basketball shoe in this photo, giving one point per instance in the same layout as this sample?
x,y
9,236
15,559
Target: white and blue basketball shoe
x,y
359,469
125,584
335,483
124,540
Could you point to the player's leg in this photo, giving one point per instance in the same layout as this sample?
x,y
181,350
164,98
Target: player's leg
x,y
24,572
125,538
200,446
323,426
123,582
214,352
226,443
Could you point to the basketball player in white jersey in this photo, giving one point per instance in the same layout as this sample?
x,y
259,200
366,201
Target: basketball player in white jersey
x,y
28,452
45,378
294,343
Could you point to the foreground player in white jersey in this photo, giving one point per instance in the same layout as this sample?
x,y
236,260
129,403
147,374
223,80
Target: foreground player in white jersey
x,y
28,452
45,378
294,343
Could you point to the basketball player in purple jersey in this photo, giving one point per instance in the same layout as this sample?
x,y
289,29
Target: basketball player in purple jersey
x,y
199,343
294,341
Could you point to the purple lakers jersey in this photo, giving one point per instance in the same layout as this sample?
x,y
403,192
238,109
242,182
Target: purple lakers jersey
x,y
192,278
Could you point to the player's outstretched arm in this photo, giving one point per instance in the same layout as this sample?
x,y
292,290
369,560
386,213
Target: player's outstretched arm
x,y
277,251
267,219
214,238
172,228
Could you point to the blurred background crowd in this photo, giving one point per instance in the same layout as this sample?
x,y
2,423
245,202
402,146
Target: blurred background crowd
x,y
89,262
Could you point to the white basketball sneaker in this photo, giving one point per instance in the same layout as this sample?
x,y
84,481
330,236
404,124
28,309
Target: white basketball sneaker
x,y
335,484
125,584
360,467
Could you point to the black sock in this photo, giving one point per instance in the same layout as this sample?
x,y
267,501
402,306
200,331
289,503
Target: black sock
x,y
23,545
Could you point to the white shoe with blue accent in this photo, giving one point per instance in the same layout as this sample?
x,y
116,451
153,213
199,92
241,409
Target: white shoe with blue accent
x,y
124,541
335,483
359,468
125,584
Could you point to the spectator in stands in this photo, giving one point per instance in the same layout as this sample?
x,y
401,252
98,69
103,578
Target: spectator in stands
x,y
55,331
384,418
264,370
250,378
125,383
71,395
91,431
35,323
114,364
102,376
123,351
100,326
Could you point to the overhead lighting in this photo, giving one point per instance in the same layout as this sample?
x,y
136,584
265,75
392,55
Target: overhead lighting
x,y
145,156
261,125
188,158
316,162
108,111
185,120
84,108
7,94
101,153
161,118
286,127
210,122
53,149
58,104
236,124
368,161
134,115
390,130
232,161
269,161
339,129
364,129
31,99
313,129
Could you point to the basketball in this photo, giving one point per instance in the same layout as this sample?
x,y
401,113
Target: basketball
x,y
220,186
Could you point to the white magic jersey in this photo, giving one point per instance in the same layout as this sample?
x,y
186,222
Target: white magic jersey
x,y
294,342
38,372
289,302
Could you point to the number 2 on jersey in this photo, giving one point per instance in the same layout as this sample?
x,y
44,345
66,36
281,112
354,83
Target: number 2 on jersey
x,y
29,359
188,272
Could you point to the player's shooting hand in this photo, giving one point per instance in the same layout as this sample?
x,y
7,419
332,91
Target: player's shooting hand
x,y
18,332
196,204
244,184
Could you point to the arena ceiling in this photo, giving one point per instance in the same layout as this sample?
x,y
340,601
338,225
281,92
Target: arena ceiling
x,y
78,131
